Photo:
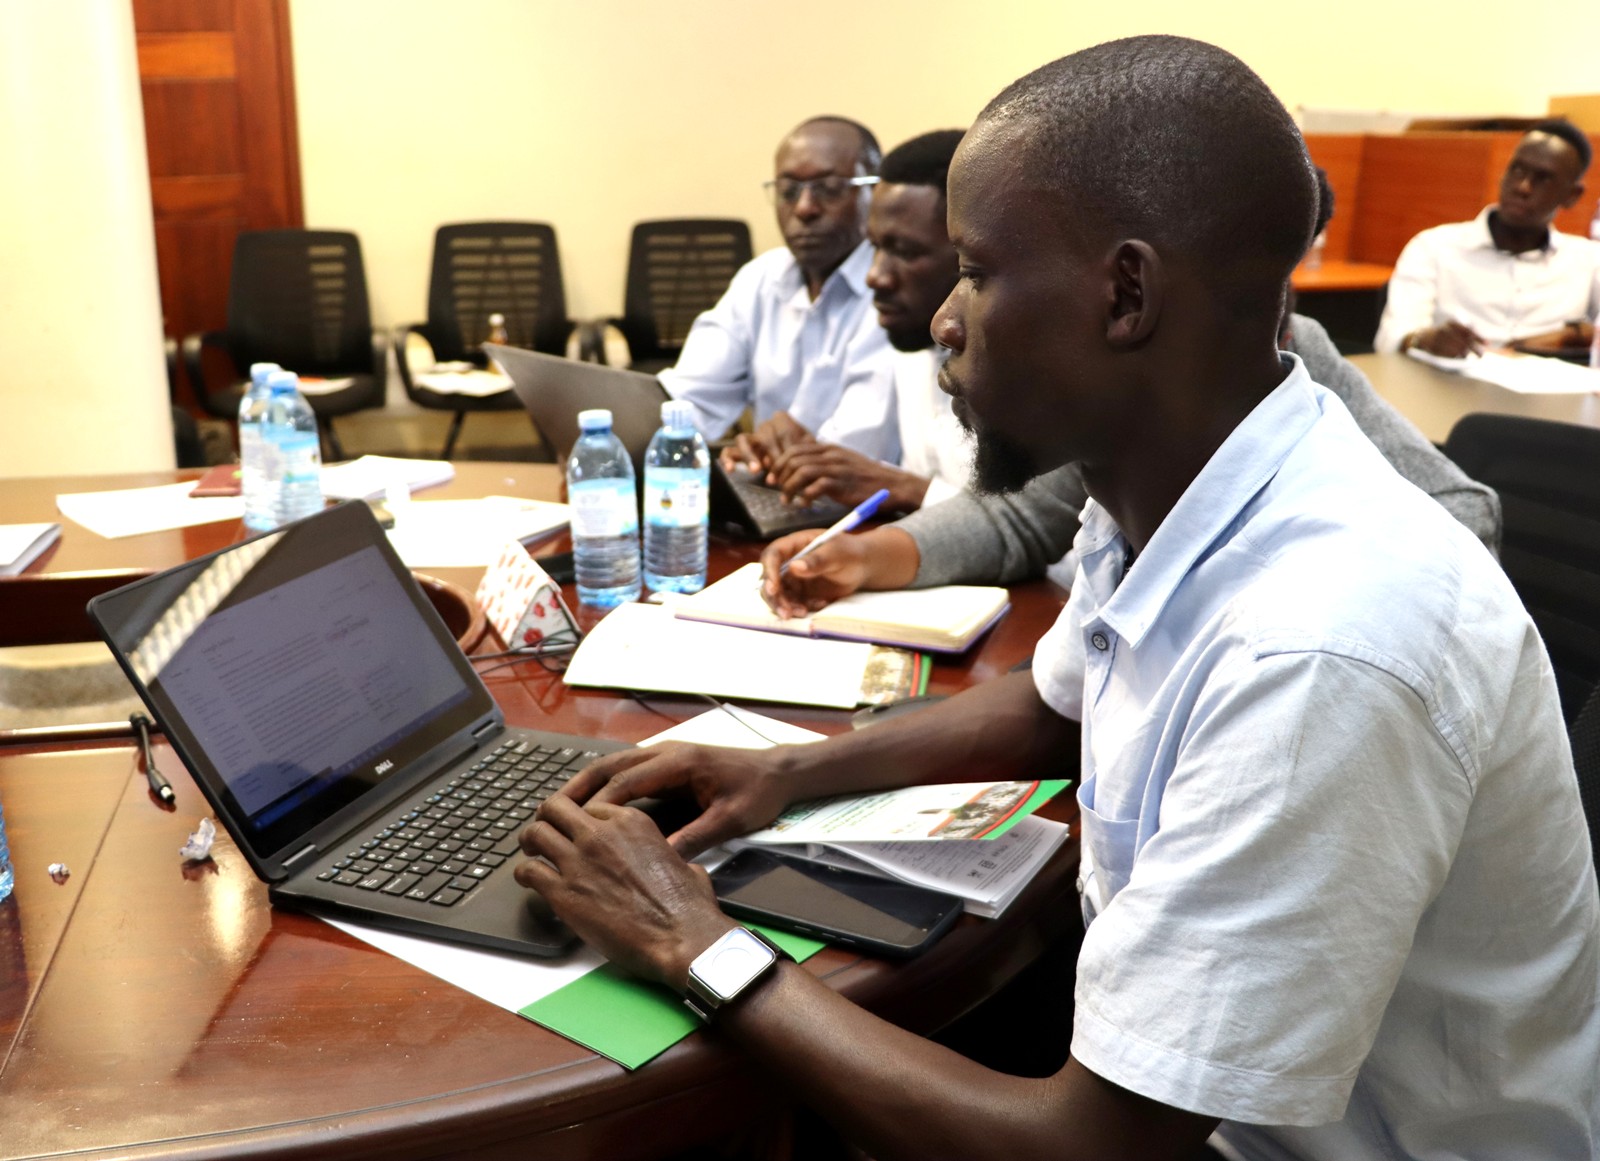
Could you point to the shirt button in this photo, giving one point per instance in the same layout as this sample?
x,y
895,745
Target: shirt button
x,y
1099,642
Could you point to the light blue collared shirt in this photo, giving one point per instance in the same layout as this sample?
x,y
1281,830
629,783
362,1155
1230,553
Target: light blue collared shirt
x,y
766,343
1341,888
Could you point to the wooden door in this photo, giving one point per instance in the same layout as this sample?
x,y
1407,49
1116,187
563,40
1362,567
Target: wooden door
x,y
218,84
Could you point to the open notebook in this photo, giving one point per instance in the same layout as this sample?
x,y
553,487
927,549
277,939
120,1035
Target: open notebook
x,y
944,619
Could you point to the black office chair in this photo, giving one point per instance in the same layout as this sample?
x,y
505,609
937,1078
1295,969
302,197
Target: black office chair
x,y
1548,477
297,298
480,269
676,270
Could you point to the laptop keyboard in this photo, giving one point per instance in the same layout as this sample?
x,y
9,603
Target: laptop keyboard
x,y
771,514
461,834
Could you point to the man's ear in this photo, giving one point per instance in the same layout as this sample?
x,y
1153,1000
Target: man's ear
x,y
1572,198
1135,288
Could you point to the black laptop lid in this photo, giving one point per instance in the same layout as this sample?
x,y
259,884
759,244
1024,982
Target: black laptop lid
x,y
303,677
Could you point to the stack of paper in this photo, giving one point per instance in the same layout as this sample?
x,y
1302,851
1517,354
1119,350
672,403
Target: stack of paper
x,y
22,544
470,533
946,619
646,647
370,477
447,379
1524,374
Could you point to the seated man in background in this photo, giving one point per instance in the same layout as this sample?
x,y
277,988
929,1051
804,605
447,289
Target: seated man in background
x,y
795,330
1508,274
913,269
1317,726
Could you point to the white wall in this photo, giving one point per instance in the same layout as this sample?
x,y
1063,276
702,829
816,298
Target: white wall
x,y
84,381
594,115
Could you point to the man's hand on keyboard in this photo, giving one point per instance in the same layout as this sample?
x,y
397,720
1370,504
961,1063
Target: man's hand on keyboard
x,y
738,790
758,450
807,471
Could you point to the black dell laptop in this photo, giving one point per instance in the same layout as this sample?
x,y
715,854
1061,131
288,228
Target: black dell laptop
x,y
340,734
553,390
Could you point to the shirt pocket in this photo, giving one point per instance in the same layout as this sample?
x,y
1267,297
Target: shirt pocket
x,y
1109,846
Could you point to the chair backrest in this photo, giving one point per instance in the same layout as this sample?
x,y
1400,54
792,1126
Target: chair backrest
x,y
1586,760
485,268
299,298
1548,477
676,269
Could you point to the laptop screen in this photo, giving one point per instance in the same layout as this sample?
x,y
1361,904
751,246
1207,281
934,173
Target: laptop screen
x,y
294,673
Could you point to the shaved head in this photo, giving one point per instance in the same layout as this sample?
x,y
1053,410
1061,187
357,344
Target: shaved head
x,y
1174,142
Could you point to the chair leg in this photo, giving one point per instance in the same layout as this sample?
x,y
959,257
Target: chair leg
x,y
455,432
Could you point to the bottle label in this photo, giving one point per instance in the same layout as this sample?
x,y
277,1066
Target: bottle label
x,y
603,508
676,497
293,458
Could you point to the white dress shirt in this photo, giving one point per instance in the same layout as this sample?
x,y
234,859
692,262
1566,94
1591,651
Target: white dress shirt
x,y
766,343
1454,273
1339,881
933,443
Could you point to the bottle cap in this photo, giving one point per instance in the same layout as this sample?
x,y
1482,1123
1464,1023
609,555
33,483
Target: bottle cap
x,y
677,415
594,419
283,381
260,371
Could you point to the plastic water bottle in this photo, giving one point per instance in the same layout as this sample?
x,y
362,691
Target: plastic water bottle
x,y
252,409
677,483
291,475
8,877
605,514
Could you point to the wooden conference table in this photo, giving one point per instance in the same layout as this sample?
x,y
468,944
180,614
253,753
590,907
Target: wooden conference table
x,y
1434,400
153,1010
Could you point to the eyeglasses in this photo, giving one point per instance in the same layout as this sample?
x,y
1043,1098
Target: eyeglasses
x,y
827,190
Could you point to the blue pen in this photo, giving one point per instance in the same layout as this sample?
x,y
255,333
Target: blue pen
x,y
852,520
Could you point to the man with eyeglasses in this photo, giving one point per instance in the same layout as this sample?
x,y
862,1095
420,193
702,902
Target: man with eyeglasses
x,y
796,330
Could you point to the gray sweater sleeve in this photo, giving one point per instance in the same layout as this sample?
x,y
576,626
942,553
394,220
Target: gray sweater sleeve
x,y
997,539
1001,539
1474,504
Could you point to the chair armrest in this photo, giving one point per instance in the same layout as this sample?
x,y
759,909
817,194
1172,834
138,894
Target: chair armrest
x,y
399,338
380,365
194,346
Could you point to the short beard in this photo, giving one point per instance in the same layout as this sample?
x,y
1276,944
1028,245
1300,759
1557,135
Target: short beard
x,y
1000,466
909,338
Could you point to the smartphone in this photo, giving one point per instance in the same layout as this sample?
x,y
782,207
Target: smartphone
x,y
883,916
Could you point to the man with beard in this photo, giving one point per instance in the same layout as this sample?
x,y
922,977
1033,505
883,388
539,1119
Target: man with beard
x,y
1340,893
795,330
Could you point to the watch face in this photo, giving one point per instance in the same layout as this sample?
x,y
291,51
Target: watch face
x,y
731,962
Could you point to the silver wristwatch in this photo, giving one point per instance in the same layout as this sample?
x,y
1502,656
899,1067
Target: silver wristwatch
x,y
723,971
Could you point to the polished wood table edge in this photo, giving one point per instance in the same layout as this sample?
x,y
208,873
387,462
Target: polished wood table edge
x,y
1335,275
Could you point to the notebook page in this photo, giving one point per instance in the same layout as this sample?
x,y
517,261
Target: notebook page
x,y
646,647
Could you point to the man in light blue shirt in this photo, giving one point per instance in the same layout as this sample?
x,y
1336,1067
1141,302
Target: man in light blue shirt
x,y
1342,900
796,330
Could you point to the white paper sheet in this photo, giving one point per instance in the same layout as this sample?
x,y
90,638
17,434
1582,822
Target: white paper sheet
x,y
473,383
370,477
135,511
505,980
1524,374
640,646
469,533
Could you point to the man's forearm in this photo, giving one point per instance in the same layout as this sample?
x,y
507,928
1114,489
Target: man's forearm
x,y
998,730
900,1096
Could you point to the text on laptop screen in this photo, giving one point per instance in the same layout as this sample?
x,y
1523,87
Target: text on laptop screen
x,y
295,672
297,689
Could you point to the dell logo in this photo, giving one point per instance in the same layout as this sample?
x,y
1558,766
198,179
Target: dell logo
x,y
383,767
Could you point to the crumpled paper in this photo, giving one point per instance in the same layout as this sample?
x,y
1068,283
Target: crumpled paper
x,y
198,848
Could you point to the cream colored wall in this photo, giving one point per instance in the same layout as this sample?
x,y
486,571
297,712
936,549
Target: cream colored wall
x,y
85,383
594,115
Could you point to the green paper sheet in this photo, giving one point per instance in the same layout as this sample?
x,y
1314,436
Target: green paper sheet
x,y
626,1019
1045,791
